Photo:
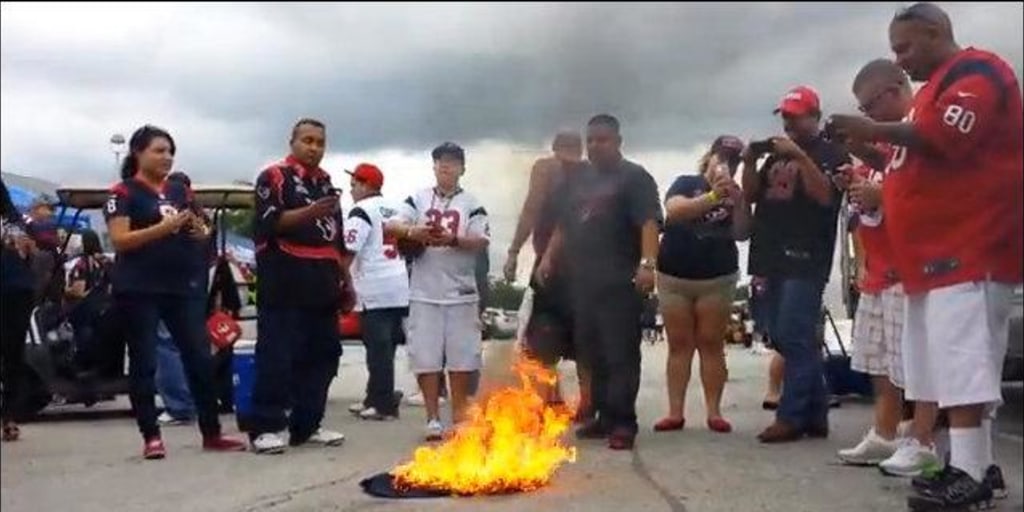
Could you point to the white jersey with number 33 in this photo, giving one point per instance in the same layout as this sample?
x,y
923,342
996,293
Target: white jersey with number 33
x,y
445,275
378,271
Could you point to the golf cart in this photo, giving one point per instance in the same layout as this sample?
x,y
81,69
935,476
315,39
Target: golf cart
x,y
49,378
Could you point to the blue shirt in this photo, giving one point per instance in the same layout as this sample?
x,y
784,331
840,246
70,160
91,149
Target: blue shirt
x,y
170,265
702,248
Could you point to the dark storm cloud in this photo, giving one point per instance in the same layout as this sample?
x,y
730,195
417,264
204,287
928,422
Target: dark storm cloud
x,y
408,76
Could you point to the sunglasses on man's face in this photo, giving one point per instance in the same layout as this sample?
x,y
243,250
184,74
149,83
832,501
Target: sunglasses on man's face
x,y
873,102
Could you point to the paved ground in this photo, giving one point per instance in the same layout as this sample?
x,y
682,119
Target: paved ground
x,y
92,465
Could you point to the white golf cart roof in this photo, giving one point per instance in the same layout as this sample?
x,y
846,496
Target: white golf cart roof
x,y
227,197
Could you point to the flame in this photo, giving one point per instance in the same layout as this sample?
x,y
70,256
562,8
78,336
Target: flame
x,y
513,443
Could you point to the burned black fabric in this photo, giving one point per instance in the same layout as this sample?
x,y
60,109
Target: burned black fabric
x,y
382,485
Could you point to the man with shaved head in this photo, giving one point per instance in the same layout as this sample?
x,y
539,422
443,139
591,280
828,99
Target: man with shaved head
x,y
549,330
952,200
883,91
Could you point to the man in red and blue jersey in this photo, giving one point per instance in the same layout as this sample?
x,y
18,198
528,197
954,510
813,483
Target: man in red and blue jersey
x,y
304,283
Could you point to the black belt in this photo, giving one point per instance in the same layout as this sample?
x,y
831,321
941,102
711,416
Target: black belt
x,y
940,266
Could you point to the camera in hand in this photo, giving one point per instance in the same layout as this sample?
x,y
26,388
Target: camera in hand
x,y
761,147
830,133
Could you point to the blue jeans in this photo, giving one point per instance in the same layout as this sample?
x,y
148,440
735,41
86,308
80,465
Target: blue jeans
x,y
793,310
381,329
171,383
185,319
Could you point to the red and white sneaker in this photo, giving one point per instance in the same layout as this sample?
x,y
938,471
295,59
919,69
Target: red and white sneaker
x,y
154,449
223,443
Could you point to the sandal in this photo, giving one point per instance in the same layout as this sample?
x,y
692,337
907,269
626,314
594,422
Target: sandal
x,y
11,431
669,424
720,425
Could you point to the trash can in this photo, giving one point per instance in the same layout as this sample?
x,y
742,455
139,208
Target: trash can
x,y
243,373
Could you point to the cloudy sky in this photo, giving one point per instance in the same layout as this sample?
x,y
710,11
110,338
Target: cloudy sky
x,y
392,80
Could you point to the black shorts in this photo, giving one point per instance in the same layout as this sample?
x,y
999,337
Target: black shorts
x,y
549,334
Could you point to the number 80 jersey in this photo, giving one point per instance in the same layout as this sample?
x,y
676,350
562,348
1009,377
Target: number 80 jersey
x,y
445,275
378,271
953,201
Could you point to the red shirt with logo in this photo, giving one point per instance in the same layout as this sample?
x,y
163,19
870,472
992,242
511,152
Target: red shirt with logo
x,y
953,204
879,268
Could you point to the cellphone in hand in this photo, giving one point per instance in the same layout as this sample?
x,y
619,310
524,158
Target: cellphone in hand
x,y
761,147
830,134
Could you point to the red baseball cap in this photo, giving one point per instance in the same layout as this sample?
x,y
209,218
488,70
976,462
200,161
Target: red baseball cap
x,y
799,101
369,174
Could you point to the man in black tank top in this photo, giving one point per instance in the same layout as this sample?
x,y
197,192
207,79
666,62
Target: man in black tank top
x,y
549,332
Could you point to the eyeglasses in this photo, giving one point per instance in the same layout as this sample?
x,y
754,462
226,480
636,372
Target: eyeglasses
x,y
873,102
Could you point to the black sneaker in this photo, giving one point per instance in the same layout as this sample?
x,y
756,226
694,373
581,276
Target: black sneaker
x,y
928,480
956,491
993,477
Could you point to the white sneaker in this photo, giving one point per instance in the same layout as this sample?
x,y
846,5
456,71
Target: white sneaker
x,y
435,430
268,444
327,437
872,450
166,419
356,408
370,413
416,400
910,459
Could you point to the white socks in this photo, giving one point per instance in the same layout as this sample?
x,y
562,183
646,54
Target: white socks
x,y
987,457
941,444
971,450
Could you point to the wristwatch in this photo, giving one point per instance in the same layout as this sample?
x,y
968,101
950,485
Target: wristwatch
x,y
648,263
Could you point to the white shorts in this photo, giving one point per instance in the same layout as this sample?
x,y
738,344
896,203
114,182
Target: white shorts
x,y
954,343
878,335
444,337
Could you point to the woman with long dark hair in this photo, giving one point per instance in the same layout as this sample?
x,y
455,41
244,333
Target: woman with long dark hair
x,y
698,263
17,285
159,242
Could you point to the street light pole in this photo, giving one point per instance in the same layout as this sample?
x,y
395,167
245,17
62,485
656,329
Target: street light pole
x,y
117,146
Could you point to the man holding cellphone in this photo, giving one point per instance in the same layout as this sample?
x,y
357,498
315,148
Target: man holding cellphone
x,y
794,234
450,227
304,283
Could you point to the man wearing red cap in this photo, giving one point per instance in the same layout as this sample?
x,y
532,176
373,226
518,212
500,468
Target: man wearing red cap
x,y
791,247
382,289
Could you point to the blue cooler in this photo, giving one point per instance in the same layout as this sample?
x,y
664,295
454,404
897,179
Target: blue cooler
x,y
243,376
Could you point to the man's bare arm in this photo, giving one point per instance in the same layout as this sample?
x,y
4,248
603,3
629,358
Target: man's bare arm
x,y
898,133
649,242
815,182
540,179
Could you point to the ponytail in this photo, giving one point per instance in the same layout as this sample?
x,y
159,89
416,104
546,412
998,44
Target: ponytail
x,y
128,166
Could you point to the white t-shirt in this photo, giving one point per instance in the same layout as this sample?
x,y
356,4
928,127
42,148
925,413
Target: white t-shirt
x,y
446,275
378,271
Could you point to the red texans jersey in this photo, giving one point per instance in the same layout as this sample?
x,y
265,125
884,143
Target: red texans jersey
x,y
953,203
880,272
